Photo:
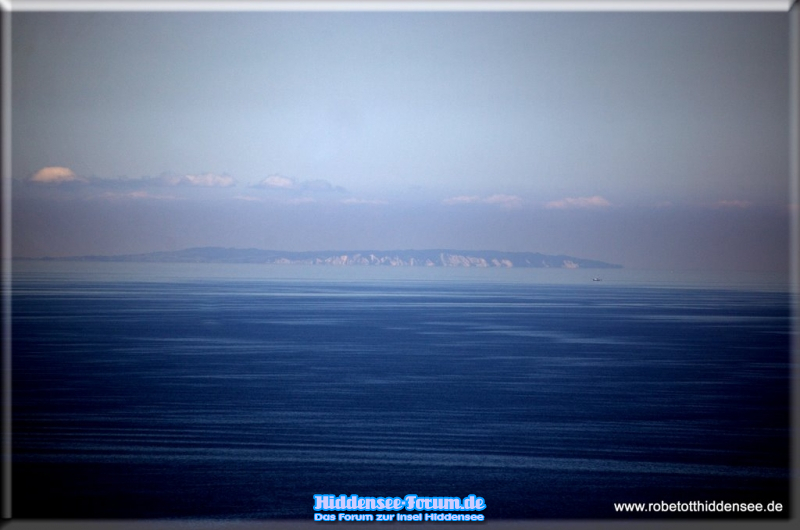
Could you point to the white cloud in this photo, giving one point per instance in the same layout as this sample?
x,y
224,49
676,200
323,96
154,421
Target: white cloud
x,y
248,198
55,175
579,202
135,195
58,175
277,181
209,180
506,201
204,180
462,199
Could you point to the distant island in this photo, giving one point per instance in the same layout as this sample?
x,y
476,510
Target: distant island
x,y
387,258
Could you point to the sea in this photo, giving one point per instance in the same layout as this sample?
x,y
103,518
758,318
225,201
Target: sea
x,y
239,392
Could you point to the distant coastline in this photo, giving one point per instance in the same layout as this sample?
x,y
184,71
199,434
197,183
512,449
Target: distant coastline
x,y
385,258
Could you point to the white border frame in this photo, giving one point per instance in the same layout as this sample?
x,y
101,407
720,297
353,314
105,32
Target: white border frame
x,y
7,7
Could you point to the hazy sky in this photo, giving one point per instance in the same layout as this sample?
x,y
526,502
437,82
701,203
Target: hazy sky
x,y
655,140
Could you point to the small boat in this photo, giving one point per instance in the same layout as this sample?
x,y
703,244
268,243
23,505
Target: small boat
x,y
596,279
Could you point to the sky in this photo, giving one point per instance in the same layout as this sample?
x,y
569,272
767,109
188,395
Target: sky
x,y
652,140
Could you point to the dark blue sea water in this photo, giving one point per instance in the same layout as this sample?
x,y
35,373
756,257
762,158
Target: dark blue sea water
x,y
220,397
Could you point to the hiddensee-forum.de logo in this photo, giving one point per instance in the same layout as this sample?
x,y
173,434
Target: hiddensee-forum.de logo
x,y
411,503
